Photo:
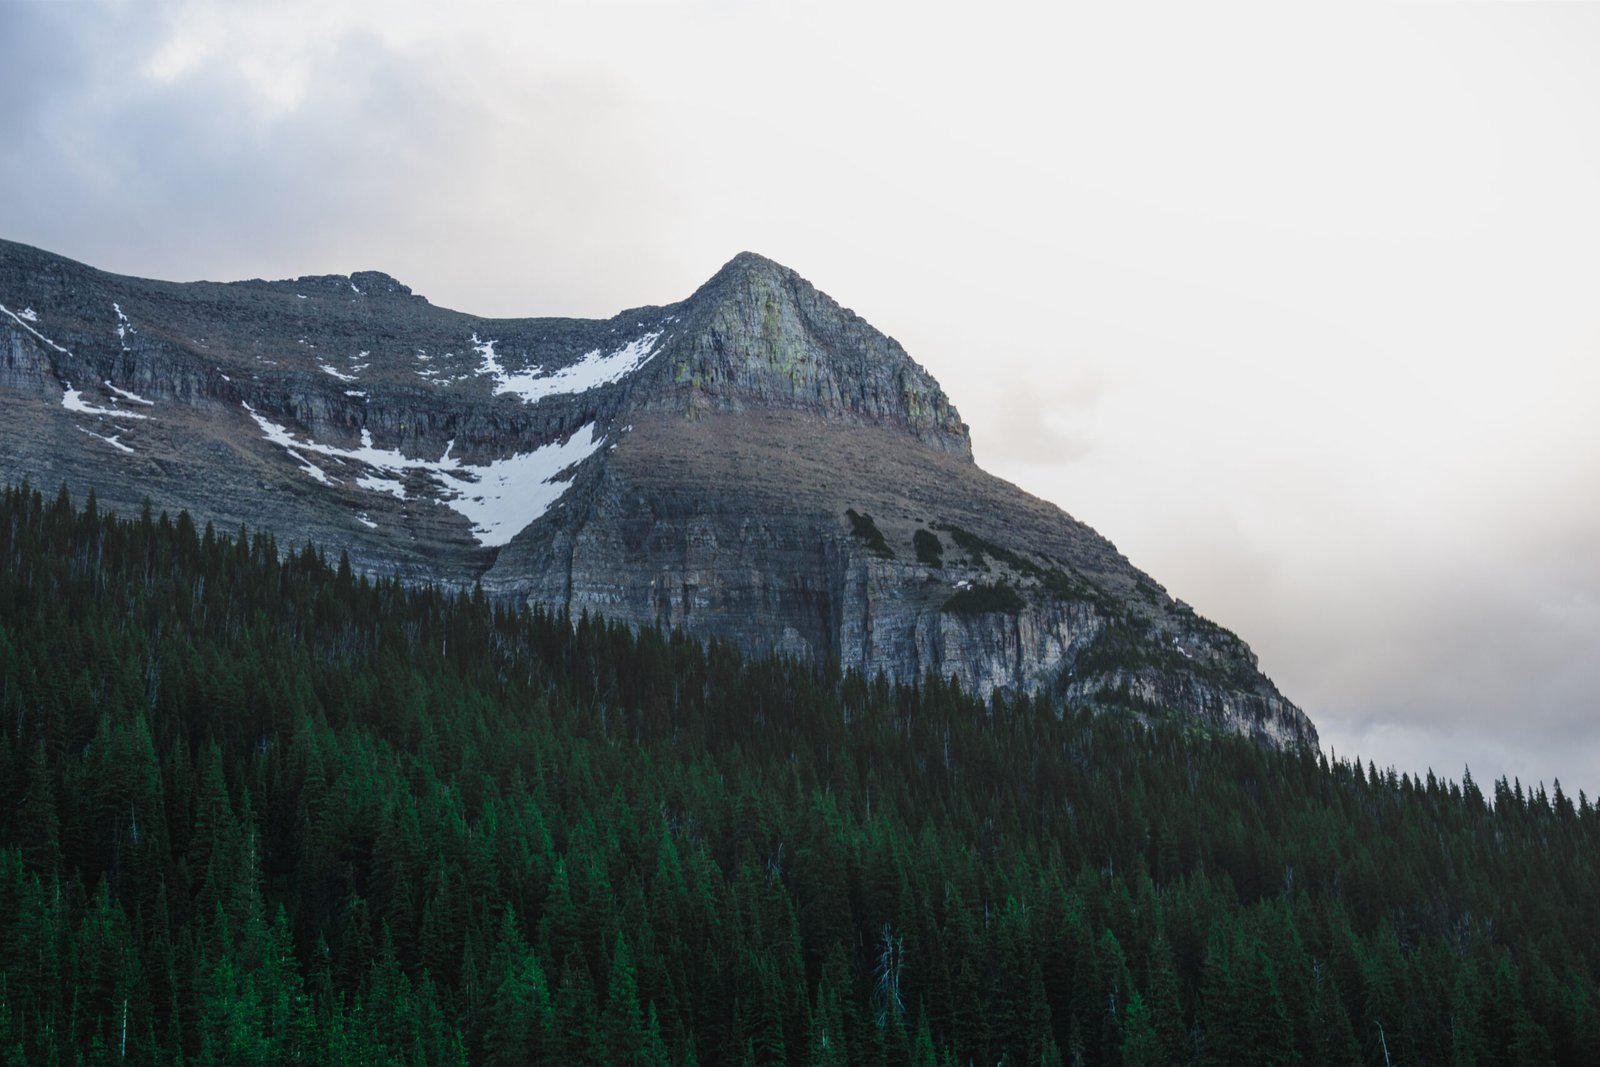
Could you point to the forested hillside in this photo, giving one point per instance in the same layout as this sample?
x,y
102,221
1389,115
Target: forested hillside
x,y
264,811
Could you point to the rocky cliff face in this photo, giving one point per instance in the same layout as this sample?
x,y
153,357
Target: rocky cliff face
x,y
754,463
758,337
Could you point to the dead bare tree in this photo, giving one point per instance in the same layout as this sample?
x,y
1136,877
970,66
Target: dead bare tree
x,y
891,958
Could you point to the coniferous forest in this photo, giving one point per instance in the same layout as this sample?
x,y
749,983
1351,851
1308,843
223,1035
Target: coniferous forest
x,y
260,810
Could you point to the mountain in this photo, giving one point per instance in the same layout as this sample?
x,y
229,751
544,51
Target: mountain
x,y
755,463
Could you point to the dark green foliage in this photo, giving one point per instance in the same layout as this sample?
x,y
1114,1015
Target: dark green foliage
x,y
867,531
982,599
1053,580
974,546
929,548
263,810
1123,644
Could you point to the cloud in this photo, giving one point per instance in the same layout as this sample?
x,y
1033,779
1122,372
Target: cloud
x,y
231,151
1043,427
1421,654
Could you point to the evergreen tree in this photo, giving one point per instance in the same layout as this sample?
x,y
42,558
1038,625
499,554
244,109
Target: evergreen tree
x,y
38,829
622,1029
1140,1045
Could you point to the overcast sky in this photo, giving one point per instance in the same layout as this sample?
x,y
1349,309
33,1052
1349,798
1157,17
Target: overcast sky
x,y
1300,308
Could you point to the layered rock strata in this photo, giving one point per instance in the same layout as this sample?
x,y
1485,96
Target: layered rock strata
x,y
755,463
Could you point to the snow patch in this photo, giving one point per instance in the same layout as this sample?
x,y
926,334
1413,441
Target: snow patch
x,y
339,374
515,491
23,322
115,440
73,400
362,518
373,484
437,375
310,468
499,498
28,315
593,370
485,350
127,395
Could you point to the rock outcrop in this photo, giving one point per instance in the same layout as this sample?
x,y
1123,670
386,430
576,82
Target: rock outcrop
x,y
755,463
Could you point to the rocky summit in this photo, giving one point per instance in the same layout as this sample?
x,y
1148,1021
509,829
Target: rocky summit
x,y
754,463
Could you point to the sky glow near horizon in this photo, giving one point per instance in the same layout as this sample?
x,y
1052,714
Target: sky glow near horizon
x,y
1298,307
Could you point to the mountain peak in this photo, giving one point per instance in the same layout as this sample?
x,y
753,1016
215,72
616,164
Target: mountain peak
x,y
748,268
748,260
759,336
755,463
375,282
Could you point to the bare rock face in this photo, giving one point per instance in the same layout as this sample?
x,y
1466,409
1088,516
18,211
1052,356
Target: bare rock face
x,y
754,463
758,337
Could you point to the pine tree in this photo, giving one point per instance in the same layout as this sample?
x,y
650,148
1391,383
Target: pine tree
x,y
575,1012
521,1022
38,827
826,1042
1140,1045
622,1025
654,1052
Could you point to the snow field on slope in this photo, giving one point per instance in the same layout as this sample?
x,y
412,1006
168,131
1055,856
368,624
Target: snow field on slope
x,y
115,440
499,498
73,400
593,370
29,315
